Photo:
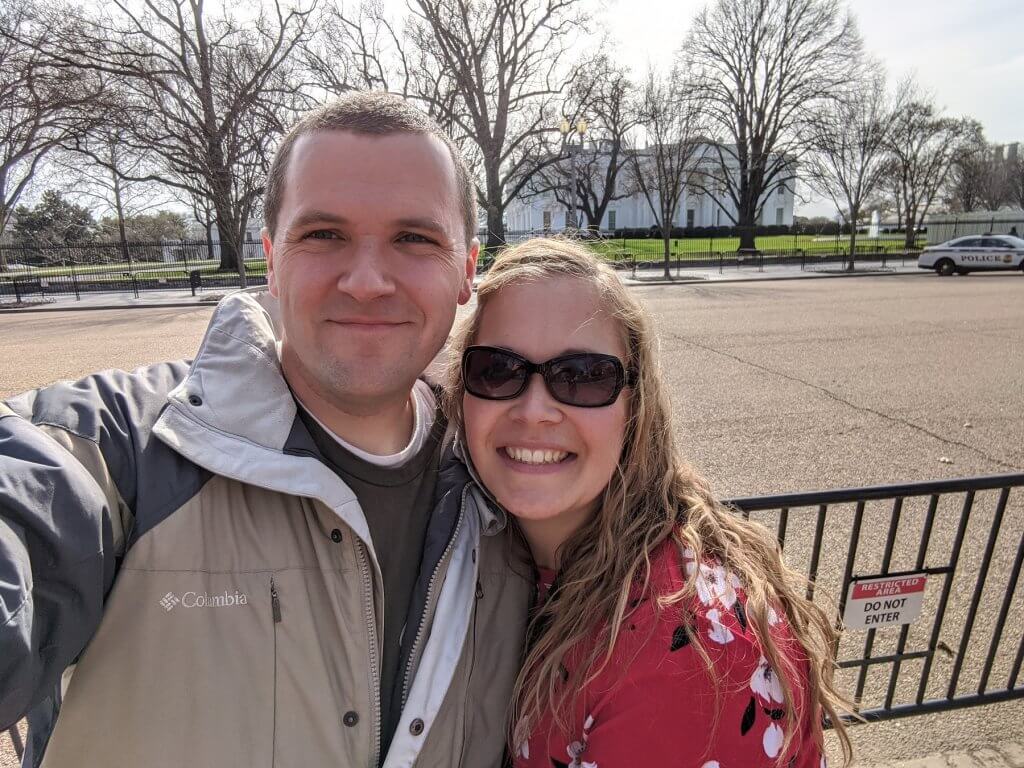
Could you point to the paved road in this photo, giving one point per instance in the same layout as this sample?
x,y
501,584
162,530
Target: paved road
x,y
780,386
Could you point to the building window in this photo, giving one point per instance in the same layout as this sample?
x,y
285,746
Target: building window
x,y
779,213
547,221
690,214
611,219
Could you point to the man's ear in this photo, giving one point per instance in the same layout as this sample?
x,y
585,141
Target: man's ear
x,y
268,252
471,258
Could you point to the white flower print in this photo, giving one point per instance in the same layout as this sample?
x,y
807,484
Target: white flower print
x,y
577,748
773,617
711,764
824,762
765,683
772,740
524,750
720,633
714,584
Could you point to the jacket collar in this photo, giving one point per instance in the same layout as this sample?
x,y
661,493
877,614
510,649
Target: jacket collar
x,y
235,385
493,517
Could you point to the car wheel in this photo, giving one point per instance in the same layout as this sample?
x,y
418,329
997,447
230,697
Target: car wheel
x,y
945,267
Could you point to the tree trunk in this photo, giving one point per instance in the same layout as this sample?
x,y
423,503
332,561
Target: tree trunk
x,y
495,227
909,233
208,224
853,244
226,226
119,211
3,229
666,238
746,228
228,254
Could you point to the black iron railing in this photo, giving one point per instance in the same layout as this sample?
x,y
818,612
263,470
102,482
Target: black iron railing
x,y
965,538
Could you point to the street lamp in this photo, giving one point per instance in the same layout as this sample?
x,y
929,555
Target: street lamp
x,y
565,129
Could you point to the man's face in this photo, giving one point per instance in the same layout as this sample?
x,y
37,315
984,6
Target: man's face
x,y
369,262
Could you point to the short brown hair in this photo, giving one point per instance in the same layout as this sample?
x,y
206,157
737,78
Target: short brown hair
x,y
370,113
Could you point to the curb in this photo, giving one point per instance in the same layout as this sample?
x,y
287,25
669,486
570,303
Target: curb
x,y
91,307
633,283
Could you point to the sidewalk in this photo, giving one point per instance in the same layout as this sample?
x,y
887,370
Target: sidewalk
x,y
653,275
1005,755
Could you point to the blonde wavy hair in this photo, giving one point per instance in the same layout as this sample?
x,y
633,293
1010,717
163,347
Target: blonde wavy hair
x,y
654,495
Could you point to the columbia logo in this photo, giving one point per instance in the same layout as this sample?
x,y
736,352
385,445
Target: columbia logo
x,y
169,600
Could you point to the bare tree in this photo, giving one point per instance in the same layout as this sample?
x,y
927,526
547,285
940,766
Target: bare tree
x,y
764,67
848,160
966,174
1016,183
592,177
492,72
214,90
40,106
923,145
670,112
99,168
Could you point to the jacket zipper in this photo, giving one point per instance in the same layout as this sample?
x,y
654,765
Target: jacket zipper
x,y
371,624
275,612
275,603
430,592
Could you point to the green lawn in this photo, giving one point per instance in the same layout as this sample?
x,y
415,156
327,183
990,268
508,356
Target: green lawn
x,y
696,247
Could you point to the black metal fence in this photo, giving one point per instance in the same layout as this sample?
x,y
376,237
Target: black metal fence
x,y
959,544
40,271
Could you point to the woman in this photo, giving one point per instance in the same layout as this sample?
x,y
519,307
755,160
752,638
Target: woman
x,y
667,631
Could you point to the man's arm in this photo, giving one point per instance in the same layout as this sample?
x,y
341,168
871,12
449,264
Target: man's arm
x,y
57,558
78,466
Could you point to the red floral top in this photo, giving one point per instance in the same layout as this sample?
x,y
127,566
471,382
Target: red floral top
x,y
654,703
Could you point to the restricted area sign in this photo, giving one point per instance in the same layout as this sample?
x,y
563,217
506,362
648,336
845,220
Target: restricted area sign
x,y
885,600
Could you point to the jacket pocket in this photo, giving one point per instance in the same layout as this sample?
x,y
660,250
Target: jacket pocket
x,y
180,672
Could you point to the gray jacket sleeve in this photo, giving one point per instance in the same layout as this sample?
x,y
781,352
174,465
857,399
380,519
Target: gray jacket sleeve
x,y
56,562
79,476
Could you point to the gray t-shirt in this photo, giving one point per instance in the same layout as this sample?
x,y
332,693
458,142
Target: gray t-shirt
x,y
397,502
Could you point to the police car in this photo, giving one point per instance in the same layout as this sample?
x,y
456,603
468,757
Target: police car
x,y
974,253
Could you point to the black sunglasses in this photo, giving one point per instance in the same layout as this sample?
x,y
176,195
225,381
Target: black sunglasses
x,y
583,379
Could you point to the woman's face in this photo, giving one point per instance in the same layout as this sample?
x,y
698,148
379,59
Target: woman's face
x,y
581,446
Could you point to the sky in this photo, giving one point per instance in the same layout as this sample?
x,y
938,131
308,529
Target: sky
x,y
968,53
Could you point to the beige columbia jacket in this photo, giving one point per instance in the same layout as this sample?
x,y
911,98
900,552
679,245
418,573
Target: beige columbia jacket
x,y
172,545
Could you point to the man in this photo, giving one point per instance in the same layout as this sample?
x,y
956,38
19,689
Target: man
x,y
253,558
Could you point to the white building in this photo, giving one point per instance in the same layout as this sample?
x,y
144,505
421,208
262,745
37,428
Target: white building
x,y
544,213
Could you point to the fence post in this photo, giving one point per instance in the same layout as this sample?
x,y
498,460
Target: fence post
x,y
17,293
721,262
74,281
